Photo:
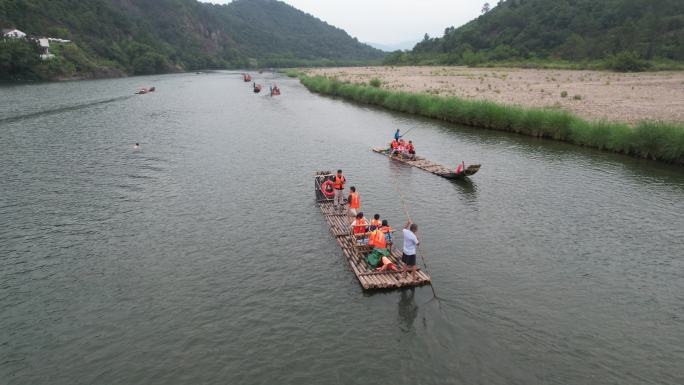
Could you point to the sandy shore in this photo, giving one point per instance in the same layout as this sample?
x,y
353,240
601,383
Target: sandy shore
x,y
591,94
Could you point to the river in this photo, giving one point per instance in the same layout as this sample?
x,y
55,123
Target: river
x,y
201,257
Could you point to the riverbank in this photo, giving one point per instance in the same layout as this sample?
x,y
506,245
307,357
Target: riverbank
x,y
646,139
593,95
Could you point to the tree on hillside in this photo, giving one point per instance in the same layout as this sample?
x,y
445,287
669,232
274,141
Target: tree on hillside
x,y
485,8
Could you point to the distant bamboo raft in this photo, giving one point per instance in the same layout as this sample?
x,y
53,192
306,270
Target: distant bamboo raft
x,y
340,227
432,167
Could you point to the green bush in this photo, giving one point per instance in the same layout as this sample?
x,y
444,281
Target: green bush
x,y
293,73
19,60
659,141
375,82
627,62
473,59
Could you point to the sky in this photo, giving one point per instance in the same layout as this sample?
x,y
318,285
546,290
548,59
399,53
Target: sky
x,y
389,21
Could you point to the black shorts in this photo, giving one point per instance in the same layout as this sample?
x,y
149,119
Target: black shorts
x,y
408,259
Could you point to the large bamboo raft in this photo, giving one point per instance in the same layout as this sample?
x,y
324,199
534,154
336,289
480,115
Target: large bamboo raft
x,y
432,167
356,254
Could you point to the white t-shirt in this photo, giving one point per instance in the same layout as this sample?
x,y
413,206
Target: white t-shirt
x,y
410,242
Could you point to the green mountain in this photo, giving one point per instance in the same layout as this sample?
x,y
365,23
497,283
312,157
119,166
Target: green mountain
x,y
157,36
571,30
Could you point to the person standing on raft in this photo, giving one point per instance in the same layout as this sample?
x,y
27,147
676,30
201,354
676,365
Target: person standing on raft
x,y
338,185
354,201
410,243
397,136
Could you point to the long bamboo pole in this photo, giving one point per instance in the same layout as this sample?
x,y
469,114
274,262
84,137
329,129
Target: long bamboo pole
x,y
408,216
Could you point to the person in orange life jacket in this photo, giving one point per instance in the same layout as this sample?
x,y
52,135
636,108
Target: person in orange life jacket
x,y
393,146
376,238
360,226
381,238
375,222
338,184
386,230
411,150
354,201
401,148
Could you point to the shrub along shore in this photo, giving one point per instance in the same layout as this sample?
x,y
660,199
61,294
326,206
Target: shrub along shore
x,y
651,140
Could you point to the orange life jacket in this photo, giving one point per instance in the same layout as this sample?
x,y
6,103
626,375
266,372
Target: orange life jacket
x,y
385,229
355,201
338,183
394,144
377,239
410,147
359,226
376,222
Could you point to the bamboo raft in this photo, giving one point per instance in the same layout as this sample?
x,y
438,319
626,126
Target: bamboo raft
x,y
432,167
356,254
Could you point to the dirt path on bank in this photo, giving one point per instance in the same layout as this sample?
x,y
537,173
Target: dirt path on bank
x,y
593,95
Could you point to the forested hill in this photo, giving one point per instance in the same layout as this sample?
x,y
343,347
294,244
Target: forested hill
x,y
156,36
572,30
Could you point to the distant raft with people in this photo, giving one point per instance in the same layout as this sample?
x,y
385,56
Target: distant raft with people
x,y
460,172
143,90
355,249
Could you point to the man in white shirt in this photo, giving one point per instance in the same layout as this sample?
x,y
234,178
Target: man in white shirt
x,y
410,244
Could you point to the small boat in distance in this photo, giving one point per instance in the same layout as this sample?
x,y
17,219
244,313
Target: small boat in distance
x,y
246,78
275,91
460,172
257,88
143,90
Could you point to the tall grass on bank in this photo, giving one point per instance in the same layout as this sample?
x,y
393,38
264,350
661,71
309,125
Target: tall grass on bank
x,y
652,140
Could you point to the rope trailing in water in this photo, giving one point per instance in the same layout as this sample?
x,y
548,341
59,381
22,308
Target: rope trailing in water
x,y
408,216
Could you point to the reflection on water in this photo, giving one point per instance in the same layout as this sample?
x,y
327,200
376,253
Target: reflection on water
x,y
467,188
408,310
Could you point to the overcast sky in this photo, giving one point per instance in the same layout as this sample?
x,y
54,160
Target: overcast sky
x,y
390,21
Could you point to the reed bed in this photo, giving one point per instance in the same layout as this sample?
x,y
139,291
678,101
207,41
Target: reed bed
x,y
651,140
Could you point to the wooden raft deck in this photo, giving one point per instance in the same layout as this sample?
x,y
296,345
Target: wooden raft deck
x,y
369,279
429,166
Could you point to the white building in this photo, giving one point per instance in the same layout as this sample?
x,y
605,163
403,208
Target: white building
x,y
13,33
44,44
